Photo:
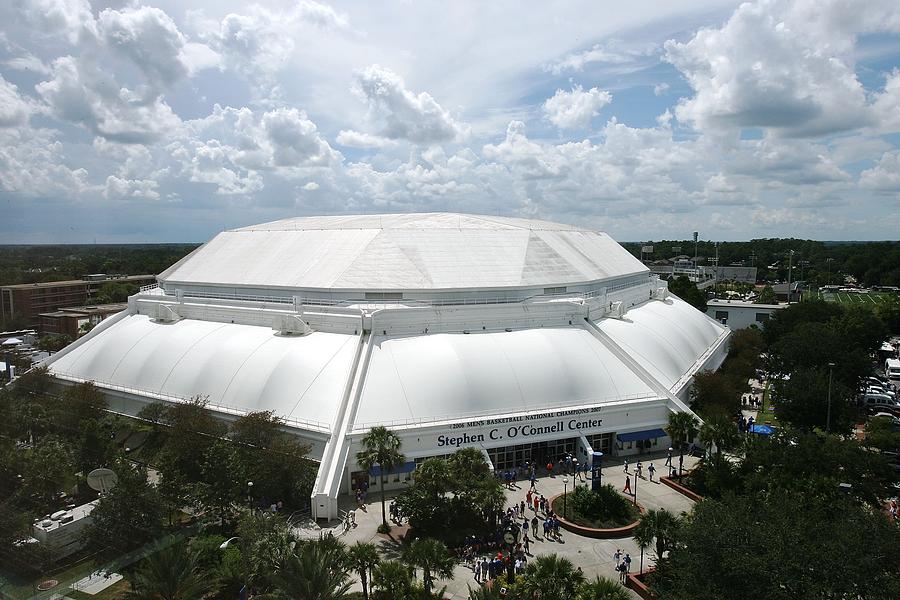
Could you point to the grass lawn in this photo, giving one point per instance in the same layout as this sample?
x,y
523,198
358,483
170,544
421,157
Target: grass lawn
x,y
870,299
766,414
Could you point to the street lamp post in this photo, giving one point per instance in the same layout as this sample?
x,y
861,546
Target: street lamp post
x,y
635,487
250,494
242,594
828,413
565,491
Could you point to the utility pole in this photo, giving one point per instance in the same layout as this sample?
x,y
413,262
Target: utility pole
x,y
790,268
828,414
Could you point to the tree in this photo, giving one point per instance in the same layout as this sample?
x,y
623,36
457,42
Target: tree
x,y
96,447
80,403
714,392
687,290
787,319
550,577
114,292
363,557
432,557
47,469
787,546
310,573
802,401
643,537
392,580
222,484
880,434
682,428
53,342
602,588
767,296
380,447
192,429
719,431
128,515
169,574
661,526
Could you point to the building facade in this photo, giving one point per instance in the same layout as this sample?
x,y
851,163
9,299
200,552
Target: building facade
x,y
739,314
29,300
76,320
524,339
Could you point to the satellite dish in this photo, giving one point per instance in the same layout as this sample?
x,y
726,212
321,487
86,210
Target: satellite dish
x,y
102,480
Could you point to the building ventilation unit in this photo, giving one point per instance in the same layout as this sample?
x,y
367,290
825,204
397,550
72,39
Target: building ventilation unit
x,y
291,325
662,292
617,310
164,313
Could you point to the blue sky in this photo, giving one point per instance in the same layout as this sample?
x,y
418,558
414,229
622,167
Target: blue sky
x,y
170,121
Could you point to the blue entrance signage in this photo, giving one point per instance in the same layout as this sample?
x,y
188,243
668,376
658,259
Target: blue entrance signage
x,y
596,472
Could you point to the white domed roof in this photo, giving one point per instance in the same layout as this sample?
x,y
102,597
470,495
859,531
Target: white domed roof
x,y
426,251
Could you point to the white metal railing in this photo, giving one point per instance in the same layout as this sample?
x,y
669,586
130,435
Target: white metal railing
x,y
223,408
505,299
493,412
147,288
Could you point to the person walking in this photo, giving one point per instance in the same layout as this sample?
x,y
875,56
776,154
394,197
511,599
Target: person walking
x,y
639,469
626,465
527,541
627,489
651,470
617,557
669,457
534,524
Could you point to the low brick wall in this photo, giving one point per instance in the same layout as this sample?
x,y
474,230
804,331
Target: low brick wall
x,y
675,485
591,532
634,582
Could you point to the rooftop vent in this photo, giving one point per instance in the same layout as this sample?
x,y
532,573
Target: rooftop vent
x,y
291,325
661,293
617,310
164,313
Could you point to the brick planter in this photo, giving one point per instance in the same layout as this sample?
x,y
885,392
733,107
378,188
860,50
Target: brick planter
x,y
675,485
593,532
635,582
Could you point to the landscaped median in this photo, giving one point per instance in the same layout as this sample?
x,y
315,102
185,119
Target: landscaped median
x,y
602,514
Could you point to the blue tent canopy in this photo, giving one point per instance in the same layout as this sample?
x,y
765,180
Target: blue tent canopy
x,y
761,429
641,435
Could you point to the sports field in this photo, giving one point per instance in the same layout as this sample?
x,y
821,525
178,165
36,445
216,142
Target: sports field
x,y
871,298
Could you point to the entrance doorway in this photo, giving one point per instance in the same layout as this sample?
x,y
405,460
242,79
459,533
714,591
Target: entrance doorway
x,y
511,457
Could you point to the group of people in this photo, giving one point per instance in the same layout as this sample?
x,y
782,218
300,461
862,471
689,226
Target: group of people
x,y
487,568
623,564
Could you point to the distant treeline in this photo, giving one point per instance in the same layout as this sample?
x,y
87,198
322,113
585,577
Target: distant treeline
x,y
870,263
35,264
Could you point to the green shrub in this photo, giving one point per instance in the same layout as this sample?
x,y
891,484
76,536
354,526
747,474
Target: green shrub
x,y
605,504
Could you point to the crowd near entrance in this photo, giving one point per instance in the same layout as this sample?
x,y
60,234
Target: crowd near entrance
x,y
541,453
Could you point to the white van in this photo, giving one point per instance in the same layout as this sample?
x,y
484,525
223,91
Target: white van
x,y
892,368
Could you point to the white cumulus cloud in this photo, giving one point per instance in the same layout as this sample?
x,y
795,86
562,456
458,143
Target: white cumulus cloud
x,y
402,114
575,109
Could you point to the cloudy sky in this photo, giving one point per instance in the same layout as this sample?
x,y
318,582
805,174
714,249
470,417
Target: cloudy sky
x,y
172,120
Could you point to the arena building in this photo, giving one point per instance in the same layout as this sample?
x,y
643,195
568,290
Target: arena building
x,y
525,339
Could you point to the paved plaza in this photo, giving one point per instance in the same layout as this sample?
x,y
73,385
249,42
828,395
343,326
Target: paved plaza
x,y
595,557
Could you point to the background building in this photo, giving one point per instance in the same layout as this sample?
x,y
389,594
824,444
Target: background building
x,y
525,339
738,314
75,320
29,300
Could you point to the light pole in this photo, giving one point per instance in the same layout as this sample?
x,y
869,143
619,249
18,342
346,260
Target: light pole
x,y
242,594
635,487
565,491
250,494
790,268
828,413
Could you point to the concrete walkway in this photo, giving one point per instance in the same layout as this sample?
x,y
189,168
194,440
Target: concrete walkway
x,y
595,557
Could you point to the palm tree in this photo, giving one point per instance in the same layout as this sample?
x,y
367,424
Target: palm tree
x,y
483,592
549,577
380,447
310,573
602,589
393,580
643,537
432,557
658,525
721,432
682,428
170,574
363,557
